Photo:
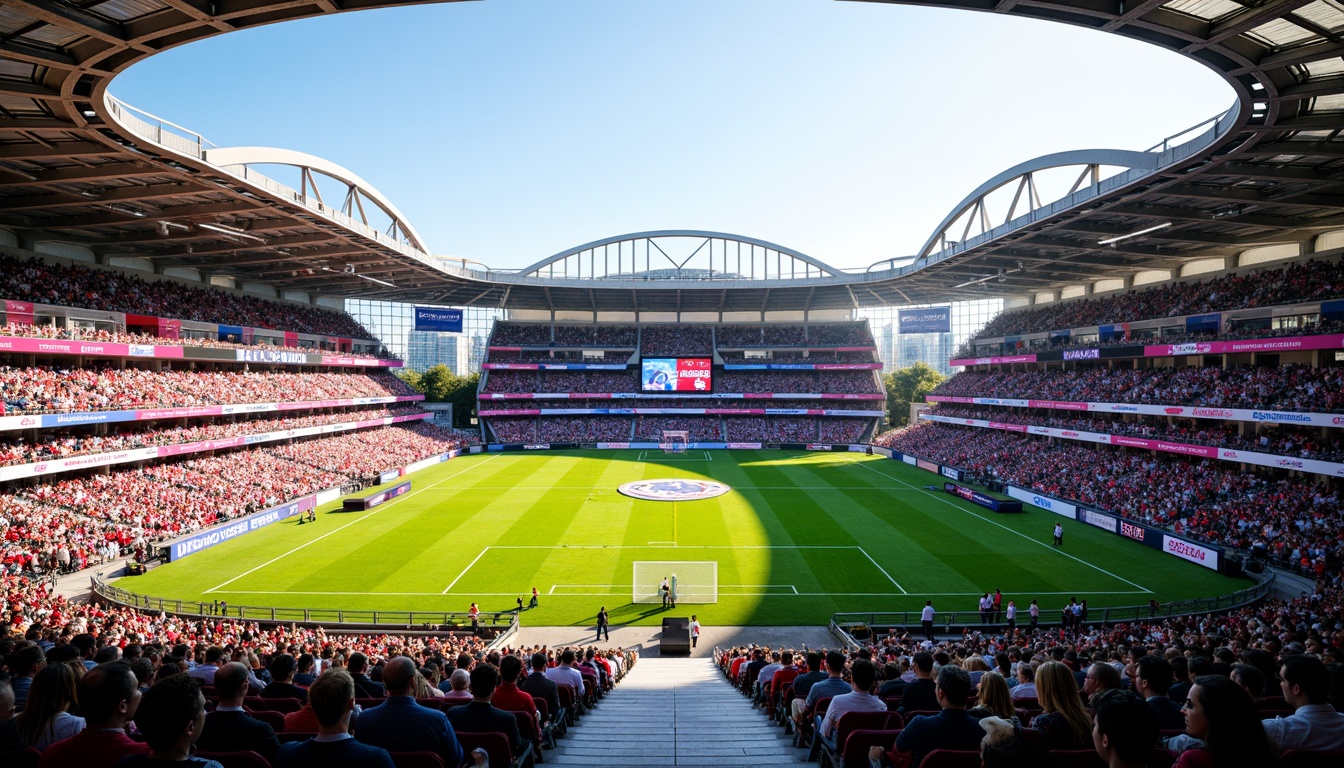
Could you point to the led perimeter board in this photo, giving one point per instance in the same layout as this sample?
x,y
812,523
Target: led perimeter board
x,y
676,374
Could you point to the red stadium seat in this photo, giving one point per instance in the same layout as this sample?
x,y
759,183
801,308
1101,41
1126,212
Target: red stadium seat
x,y
417,760
282,705
952,758
247,759
854,754
274,719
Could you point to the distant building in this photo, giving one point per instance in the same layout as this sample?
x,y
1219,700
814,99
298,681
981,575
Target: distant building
x,y
428,349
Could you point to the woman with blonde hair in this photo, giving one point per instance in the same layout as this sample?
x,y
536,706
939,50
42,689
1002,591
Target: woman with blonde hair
x,y
995,699
1065,723
46,719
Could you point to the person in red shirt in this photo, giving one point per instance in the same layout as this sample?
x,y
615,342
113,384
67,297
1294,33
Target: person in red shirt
x,y
509,697
108,697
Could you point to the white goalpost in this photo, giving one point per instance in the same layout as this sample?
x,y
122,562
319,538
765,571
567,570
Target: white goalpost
x,y
674,441
690,581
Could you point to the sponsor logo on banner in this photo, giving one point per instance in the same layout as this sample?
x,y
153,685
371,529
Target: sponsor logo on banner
x,y
1192,552
1099,520
1125,408
1229,454
818,446
27,421
270,356
1295,463
1213,413
1082,354
1275,416
537,447
141,350
926,465
1337,420
951,473
1182,349
1066,433
745,446
1135,532
1062,508
1174,411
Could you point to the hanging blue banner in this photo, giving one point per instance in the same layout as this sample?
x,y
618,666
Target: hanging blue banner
x,y
435,319
926,320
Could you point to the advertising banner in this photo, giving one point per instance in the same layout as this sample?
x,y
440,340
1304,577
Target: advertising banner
x,y
270,355
676,374
951,472
1028,496
19,312
440,320
1187,550
926,320
382,497
927,465
218,535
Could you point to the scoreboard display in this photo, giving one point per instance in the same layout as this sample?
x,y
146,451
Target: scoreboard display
x,y
676,374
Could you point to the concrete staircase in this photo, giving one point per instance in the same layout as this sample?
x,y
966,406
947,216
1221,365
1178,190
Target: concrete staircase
x,y
674,712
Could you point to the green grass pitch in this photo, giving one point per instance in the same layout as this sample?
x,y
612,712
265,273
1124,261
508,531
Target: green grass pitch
x,y
800,536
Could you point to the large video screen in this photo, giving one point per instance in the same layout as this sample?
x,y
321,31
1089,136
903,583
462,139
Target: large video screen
x,y
676,374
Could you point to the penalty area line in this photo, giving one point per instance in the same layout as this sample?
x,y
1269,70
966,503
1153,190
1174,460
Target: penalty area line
x,y
937,498
883,570
464,571
278,558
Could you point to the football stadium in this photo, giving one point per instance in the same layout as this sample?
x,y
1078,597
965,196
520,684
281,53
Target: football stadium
x,y
1060,487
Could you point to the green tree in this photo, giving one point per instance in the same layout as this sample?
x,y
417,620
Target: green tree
x,y
441,385
412,378
908,385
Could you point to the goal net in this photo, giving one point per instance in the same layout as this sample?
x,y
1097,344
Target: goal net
x,y
689,581
674,441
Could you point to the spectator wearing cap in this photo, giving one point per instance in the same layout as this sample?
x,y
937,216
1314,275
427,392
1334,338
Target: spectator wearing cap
x,y
400,724
1314,724
332,697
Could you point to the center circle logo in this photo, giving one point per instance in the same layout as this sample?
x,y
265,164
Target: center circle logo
x,y
673,490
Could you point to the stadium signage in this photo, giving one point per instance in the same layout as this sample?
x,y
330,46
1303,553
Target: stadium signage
x,y
1279,416
1190,551
436,319
976,497
1061,508
1098,519
1082,354
926,465
536,446
382,497
951,472
1135,532
925,320
270,356
209,538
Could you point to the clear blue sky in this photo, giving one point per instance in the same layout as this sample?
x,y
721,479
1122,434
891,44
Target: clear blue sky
x,y
509,130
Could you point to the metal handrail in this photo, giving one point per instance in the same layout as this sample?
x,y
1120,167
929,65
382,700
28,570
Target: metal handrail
x,y
353,619
955,621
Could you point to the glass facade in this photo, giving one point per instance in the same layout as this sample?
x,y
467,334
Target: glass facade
x,y
394,324
934,349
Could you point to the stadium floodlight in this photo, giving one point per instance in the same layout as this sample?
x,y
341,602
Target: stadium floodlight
x,y
1118,238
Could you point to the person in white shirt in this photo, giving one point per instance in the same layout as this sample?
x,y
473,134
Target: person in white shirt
x,y
1314,724
862,674
565,673
926,618
1011,615
695,630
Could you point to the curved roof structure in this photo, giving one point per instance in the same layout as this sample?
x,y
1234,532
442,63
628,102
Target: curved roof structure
x,y
76,166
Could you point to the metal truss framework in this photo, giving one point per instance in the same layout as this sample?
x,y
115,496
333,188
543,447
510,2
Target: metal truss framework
x,y
75,166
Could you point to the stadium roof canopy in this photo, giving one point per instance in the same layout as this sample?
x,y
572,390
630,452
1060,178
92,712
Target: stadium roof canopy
x,y
80,167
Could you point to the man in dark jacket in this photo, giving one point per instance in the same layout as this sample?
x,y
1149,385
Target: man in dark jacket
x,y
480,716
229,728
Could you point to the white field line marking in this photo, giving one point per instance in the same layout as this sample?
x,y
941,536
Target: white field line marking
x,y
624,590
662,543
464,571
864,464
883,570
352,522
678,546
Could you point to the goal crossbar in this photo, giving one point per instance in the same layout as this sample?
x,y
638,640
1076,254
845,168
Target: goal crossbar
x,y
688,581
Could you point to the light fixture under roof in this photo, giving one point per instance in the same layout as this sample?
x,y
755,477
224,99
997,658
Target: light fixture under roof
x,y
1118,238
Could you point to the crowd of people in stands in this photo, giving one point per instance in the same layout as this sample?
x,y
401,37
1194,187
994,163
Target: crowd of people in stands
x,y
1151,337
1207,499
51,389
1285,388
1276,439
36,281
676,341
1237,689
1307,281
70,522
61,444
771,429
104,336
753,429
697,428
584,429
736,382
78,681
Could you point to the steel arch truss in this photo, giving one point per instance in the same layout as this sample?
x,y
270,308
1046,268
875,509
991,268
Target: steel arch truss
x,y
680,254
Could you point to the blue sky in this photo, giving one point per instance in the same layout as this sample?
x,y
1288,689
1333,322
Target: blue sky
x,y
509,130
